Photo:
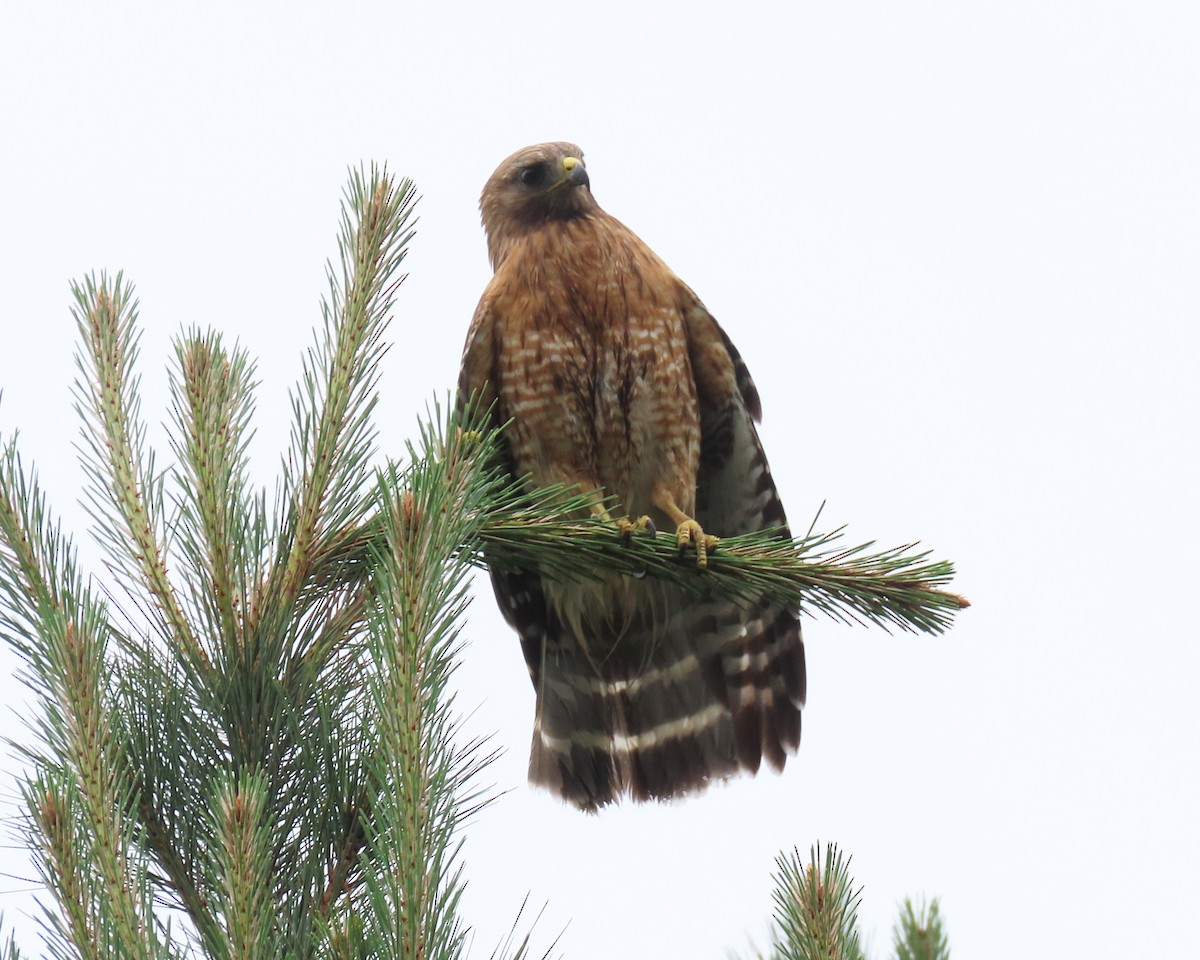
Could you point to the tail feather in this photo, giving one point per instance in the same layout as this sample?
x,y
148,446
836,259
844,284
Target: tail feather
x,y
692,692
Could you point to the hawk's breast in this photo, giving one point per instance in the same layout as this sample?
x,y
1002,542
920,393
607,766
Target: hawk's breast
x,y
594,366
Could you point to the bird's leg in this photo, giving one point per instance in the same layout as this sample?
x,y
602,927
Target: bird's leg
x,y
688,530
625,526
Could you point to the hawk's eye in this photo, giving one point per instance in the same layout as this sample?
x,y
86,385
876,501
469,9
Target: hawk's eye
x,y
533,176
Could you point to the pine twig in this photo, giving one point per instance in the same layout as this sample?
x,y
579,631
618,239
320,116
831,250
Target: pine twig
x,y
895,587
79,801
424,779
918,934
550,530
816,907
333,438
126,494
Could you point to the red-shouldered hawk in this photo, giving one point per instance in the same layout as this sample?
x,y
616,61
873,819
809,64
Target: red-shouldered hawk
x,y
615,377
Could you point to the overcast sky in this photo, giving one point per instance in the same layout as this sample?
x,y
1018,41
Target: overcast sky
x,y
957,245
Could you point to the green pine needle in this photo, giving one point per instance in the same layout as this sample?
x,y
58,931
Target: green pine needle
x,y
919,935
816,907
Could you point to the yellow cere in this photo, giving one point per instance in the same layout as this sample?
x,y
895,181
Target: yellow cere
x,y
570,163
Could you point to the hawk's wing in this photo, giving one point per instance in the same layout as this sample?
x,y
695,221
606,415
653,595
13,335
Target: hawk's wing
x,y
734,487
477,374
520,595
735,493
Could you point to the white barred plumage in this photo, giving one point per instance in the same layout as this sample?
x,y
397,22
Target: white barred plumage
x,y
616,378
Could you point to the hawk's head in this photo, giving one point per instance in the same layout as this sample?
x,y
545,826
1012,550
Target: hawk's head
x,y
547,181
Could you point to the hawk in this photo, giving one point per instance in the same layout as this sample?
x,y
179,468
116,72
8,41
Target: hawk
x,y
612,375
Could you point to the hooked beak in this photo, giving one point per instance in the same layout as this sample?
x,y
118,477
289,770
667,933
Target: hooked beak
x,y
576,172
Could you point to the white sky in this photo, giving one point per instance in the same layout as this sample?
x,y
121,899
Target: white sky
x,y
957,245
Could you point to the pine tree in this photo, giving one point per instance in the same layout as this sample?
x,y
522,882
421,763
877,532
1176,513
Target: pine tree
x,y
246,744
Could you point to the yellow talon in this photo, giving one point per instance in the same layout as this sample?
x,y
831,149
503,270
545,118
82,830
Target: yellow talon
x,y
627,528
689,531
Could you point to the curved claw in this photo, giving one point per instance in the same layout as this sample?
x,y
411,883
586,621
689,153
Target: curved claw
x,y
627,528
689,531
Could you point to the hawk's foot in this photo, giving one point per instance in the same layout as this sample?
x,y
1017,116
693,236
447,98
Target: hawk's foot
x,y
627,528
689,531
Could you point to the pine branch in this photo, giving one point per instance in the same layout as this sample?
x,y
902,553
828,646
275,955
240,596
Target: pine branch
x,y
79,804
424,781
60,861
918,934
333,438
551,530
895,587
236,746
126,495
175,757
221,533
172,725
816,907
244,874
